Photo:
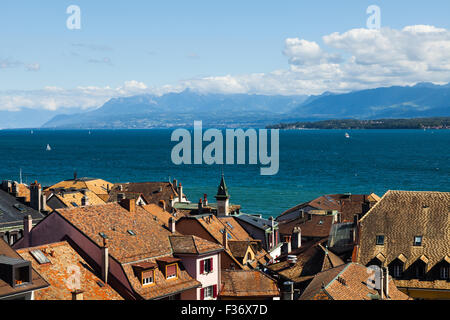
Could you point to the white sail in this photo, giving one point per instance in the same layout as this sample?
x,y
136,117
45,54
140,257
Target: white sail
x,y
48,147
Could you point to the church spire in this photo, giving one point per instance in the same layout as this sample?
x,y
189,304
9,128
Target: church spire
x,y
222,191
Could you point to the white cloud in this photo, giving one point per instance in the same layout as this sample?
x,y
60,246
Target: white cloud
x,y
353,60
53,97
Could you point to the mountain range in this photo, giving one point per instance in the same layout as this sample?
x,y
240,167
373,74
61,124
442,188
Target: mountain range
x,y
251,110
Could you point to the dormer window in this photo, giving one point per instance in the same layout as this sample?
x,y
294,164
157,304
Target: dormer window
x,y
171,271
148,277
380,240
417,241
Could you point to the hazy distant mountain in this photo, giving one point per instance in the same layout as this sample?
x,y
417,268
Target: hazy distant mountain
x,y
181,109
421,100
244,110
29,118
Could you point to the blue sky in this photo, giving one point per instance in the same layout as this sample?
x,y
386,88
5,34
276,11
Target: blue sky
x,y
159,43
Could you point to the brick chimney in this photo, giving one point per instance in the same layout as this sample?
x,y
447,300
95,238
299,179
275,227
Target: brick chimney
x,y
225,238
205,200
180,193
36,196
27,226
105,261
172,225
77,294
129,204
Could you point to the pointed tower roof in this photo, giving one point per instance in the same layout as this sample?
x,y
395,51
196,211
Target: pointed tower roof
x,y
222,191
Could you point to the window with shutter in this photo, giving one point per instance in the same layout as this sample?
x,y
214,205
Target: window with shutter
x,y
202,294
202,266
171,271
148,277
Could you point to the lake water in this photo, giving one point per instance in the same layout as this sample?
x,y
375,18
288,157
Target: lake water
x,y
312,163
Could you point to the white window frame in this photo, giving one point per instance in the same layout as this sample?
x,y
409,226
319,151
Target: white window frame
x,y
209,289
146,281
444,270
415,242
205,261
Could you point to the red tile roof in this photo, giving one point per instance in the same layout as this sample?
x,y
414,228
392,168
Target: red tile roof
x,y
247,283
62,256
346,282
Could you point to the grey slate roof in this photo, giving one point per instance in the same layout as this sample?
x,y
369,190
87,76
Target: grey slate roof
x,y
10,216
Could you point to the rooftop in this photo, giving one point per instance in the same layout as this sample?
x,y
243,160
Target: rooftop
x,y
62,258
247,283
12,211
191,244
346,282
11,256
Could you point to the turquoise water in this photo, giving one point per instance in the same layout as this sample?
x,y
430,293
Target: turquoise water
x,y
312,163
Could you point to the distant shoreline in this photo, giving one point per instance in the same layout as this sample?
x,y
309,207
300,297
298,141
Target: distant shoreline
x,y
435,123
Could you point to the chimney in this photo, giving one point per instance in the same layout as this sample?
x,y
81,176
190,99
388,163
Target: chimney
x,y
180,193
129,204
162,204
297,238
288,291
77,294
205,200
171,200
107,187
84,201
175,184
75,175
27,226
15,189
272,229
172,227
36,196
200,206
386,279
105,261
287,246
225,238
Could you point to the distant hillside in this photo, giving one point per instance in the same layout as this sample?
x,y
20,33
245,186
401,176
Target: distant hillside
x,y
421,100
418,123
246,110
181,109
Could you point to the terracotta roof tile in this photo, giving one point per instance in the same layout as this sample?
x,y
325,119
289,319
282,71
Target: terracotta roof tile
x,y
38,282
98,186
247,283
402,215
62,256
352,285
150,240
191,244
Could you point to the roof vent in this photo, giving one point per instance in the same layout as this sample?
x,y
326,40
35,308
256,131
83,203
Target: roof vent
x,y
341,281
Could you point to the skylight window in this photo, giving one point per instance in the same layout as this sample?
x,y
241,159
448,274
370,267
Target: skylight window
x,y
19,207
103,235
39,256
131,232
417,240
74,204
229,224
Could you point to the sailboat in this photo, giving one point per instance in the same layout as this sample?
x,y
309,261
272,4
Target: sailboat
x,y
347,135
48,148
31,132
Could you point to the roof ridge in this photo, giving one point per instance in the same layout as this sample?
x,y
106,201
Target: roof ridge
x,y
338,275
195,246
